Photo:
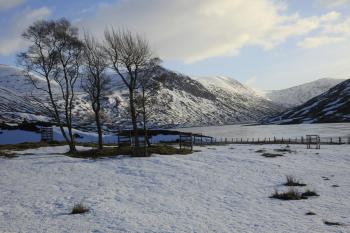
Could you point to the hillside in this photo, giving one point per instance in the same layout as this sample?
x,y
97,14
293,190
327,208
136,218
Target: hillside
x,y
298,95
329,107
182,101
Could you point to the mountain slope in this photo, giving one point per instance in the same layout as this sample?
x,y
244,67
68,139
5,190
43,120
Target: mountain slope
x,y
331,106
182,101
298,95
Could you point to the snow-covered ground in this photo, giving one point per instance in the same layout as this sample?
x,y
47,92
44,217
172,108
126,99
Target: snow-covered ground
x,y
220,189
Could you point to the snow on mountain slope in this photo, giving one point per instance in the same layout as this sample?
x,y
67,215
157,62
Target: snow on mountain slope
x,y
182,101
331,106
209,101
297,95
240,99
14,79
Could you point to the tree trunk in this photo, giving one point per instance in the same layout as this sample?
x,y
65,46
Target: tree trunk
x,y
144,118
72,147
99,129
133,118
57,117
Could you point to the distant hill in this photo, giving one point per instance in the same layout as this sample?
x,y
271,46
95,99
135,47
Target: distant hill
x,y
330,107
298,95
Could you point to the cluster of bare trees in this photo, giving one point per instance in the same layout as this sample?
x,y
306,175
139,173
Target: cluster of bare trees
x,y
57,54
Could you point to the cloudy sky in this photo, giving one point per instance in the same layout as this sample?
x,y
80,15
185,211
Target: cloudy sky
x,y
266,44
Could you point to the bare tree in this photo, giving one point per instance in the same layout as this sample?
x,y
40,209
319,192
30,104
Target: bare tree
x,y
55,54
129,56
147,95
95,82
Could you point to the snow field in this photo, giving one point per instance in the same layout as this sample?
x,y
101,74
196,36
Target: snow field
x,y
220,189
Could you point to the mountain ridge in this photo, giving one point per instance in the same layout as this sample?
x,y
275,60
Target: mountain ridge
x,y
182,101
299,94
332,106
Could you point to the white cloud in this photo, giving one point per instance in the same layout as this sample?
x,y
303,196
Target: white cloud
x,y
10,39
332,3
192,30
8,4
317,41
331,32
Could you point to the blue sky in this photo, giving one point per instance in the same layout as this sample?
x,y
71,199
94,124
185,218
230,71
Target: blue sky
x,y
266,44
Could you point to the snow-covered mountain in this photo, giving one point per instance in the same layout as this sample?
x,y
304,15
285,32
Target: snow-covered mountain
x,y
298,95
182,101
329,107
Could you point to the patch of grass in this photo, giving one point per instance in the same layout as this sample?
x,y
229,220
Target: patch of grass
x,y
335,186
271,155
292,181
310,213
126,150
79,208
30,145
105,152
36,145
309,193
7,155
329,223
284,150
168,150
260,151
291,194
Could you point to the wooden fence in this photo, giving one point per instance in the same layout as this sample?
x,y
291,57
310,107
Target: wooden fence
x,y
272,140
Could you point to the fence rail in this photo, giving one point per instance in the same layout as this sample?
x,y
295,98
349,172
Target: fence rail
x,y
271,140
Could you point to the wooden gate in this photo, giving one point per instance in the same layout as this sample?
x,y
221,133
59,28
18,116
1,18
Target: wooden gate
x,y
186,141
313,141
46,134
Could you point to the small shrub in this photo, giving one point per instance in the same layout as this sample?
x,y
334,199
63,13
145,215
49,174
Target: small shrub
x,y
291,181
7,155
270,155
260,151
309,193
287,150
310,213
328,223
335,186
79,208
291,194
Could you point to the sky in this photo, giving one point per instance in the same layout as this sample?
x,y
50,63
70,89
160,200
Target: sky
x,y
265,44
